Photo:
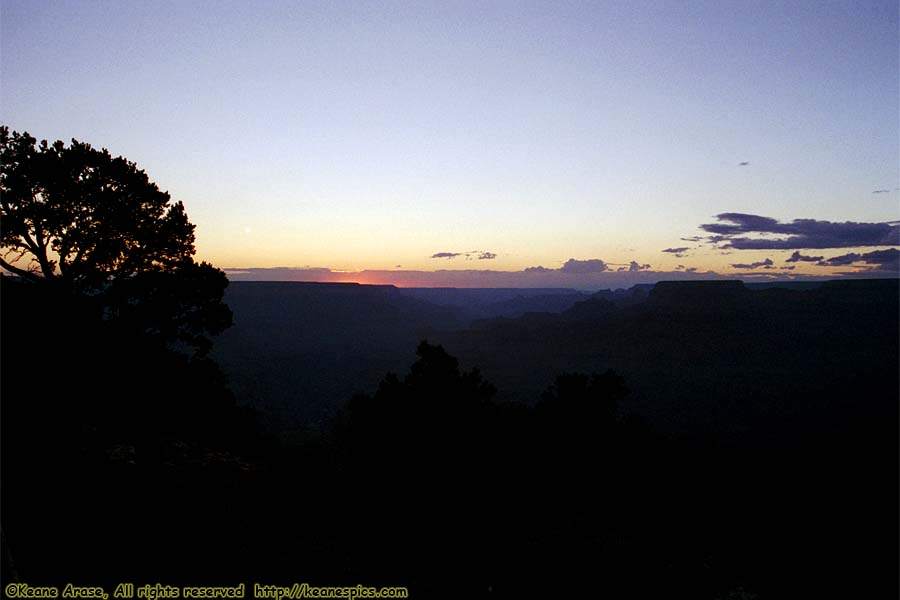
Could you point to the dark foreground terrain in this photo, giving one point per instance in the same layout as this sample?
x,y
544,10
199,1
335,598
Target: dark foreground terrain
x,y
701,440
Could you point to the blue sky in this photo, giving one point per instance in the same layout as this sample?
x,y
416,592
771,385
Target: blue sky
x,y
363,136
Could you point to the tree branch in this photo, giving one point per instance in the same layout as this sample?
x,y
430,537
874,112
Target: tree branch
x,y
20,272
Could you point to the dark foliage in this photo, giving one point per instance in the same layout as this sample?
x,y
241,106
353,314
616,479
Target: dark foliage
x,y
81,221
461,495
113,445
115,441
101,216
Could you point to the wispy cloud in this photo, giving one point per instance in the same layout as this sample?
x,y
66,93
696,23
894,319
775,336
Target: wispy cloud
x,y
679,252
470,255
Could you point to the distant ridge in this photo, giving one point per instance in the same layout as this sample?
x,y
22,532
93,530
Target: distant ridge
x,y
683,294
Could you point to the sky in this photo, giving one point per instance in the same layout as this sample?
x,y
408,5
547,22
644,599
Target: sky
x,y
491,143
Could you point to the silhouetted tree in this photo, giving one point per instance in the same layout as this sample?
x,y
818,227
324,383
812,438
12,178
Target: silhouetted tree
x,y
97,394
428,416
100,216
86,222
423,446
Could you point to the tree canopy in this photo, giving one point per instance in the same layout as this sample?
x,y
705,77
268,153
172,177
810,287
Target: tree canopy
x,y
85,217
91,223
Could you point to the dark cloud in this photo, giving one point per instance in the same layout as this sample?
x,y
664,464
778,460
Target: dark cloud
x,y
634,267
446,254
881,192
737,223
883,260
791,268
695,238
683,269
797,257
743,164
798,234
766,264
843,259
538,270
679,252
486,256
592,265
